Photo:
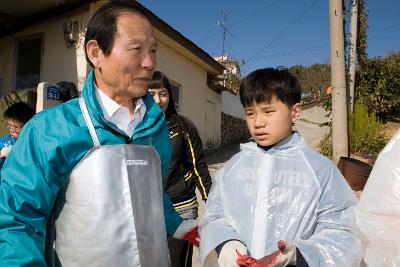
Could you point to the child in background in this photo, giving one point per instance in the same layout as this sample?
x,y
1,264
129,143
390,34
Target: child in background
x,y
15,116
278,202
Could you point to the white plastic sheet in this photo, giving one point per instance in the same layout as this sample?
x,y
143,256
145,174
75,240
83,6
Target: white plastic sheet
x,y
378,211
289,192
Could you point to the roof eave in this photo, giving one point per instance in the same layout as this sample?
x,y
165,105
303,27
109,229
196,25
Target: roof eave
x,y
41,16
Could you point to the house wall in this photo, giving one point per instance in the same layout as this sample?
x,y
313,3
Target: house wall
x,y
197,101
231,105
59,63
6,64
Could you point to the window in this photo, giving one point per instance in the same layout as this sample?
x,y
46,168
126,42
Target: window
x,y
175,94
28,61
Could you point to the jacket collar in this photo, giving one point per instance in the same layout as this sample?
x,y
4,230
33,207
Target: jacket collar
x,y
152,120
292,143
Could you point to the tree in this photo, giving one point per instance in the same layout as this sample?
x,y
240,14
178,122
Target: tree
x,y
378,84
362,34
314,79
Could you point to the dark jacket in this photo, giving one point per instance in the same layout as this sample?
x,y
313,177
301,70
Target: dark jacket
x,y
188,168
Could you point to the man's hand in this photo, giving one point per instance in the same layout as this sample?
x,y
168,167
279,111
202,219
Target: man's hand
x,y
285,255
228,255
187,230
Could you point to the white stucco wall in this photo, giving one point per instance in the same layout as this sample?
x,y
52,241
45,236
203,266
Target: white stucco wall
x,y
231,105
59,63
196,98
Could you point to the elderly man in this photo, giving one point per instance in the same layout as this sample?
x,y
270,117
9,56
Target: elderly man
x,y
87,175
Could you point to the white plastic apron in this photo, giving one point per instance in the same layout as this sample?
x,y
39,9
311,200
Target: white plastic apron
x,y
110,211
288,193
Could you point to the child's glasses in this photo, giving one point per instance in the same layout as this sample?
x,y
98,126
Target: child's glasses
x,y
13,128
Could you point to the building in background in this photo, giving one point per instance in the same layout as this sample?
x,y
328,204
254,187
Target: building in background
x,y
43,42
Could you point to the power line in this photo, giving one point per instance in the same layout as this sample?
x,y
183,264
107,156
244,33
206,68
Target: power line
x,y
256,12
294,52
388,28
284,31
385,37
313,49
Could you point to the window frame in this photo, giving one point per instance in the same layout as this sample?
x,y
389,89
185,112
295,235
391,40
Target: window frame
x,y
178,100
17,42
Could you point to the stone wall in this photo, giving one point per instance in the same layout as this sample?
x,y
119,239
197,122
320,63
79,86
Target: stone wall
x,y
233,129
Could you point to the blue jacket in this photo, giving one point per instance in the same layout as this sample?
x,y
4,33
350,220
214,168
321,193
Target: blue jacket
x,y
6,140
49,147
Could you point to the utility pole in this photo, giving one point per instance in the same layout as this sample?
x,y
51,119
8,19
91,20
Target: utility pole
x,y
339,106
352,50
224,26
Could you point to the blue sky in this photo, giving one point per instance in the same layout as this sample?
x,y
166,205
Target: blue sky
x,y
273,33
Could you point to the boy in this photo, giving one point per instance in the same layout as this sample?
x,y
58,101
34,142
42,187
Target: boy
x,y
278,190
15,116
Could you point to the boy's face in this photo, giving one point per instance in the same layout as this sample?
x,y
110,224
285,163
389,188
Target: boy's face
x,y
14,127
271,122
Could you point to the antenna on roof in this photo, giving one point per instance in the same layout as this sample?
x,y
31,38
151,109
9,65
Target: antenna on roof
x,y
224,27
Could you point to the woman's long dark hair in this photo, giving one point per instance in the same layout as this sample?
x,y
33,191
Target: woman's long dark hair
x,y
159,80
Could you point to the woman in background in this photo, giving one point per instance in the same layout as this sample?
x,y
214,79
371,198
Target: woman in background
x,y
187,170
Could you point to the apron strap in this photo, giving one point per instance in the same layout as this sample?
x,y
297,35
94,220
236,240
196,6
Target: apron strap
x,y
89,122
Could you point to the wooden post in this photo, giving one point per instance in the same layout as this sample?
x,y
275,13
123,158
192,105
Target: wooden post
x,y
352,51
339,105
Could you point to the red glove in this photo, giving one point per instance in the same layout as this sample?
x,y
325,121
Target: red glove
x,y
187,230
193,237
244,260
285,255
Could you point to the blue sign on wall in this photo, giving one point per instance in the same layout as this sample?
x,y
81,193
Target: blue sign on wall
x,y
53,92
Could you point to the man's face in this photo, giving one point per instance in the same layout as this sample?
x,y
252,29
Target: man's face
x,y
270,123
126,72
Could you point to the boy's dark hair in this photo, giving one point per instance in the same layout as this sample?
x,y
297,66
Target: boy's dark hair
x,y
20,112
102,27
263,84
159,80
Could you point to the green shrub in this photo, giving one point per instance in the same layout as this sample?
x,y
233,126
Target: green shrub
x,y
365,132
325,145
365,135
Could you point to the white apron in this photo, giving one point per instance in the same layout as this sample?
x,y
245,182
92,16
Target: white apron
x,y
110,211
286,193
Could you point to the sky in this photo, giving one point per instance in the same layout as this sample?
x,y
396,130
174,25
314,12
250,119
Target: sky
x,y
273,33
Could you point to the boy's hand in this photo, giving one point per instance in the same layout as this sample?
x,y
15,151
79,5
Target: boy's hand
x,y
229,253
244,260
187,230
5,151
285,255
